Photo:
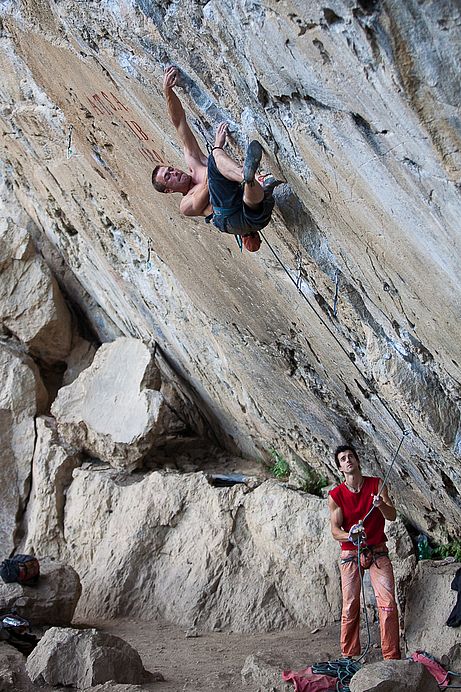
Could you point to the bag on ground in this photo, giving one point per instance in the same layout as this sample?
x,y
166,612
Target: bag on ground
x,y
24,569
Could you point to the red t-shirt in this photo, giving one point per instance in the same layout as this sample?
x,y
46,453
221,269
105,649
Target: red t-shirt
x,y
355,506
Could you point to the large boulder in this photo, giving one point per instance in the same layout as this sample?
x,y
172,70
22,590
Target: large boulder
x,y
430,601
13,676
52,467
393,676
22,396
31,304
51,602
84,658
263,675
114,410
226,558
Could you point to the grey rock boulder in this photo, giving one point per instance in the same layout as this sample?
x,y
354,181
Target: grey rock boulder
x,y
84,658
430,601
114,410
262,675
32,307
51,602
13,676
201,556
393,676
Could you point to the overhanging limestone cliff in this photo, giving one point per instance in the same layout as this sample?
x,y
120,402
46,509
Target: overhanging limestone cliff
x,y
357,104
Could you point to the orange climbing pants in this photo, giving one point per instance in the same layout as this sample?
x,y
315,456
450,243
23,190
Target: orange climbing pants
x,y
382,581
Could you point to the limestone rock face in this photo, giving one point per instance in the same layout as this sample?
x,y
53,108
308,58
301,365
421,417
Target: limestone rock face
x,y
393,676
352,329
80,357
201,556
52,466
51,602
22,396
114,410
31,305
83,658
430,601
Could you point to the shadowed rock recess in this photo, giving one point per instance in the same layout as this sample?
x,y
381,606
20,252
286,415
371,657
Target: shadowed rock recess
x,y
344,326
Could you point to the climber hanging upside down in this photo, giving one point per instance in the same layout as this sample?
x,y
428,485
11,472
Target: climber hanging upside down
x,y
230,196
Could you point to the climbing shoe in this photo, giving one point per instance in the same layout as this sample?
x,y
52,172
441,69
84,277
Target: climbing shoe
x,y
252,159
268,182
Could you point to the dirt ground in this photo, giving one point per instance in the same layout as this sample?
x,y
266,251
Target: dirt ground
x,y
213,661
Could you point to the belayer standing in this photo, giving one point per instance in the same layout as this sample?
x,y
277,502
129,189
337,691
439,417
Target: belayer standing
x,y
349,503
229,195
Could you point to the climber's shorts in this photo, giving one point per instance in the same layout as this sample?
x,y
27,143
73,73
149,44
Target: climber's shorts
x,y
230,213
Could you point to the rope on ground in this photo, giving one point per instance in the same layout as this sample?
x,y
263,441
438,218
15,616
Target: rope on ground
x,y
341,668
326,325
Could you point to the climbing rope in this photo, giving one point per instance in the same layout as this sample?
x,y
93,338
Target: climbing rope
x,y
405,433
341,668
325,324
345,668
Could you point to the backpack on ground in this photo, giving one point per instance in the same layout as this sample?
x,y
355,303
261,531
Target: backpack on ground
x,y
24,569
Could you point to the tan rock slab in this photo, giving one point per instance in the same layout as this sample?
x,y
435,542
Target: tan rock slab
x,y
22,396
31,304
52,467
212,558
113,410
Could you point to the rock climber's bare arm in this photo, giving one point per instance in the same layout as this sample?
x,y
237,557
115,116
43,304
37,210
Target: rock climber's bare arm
x,y
383,502
336,520
192,152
